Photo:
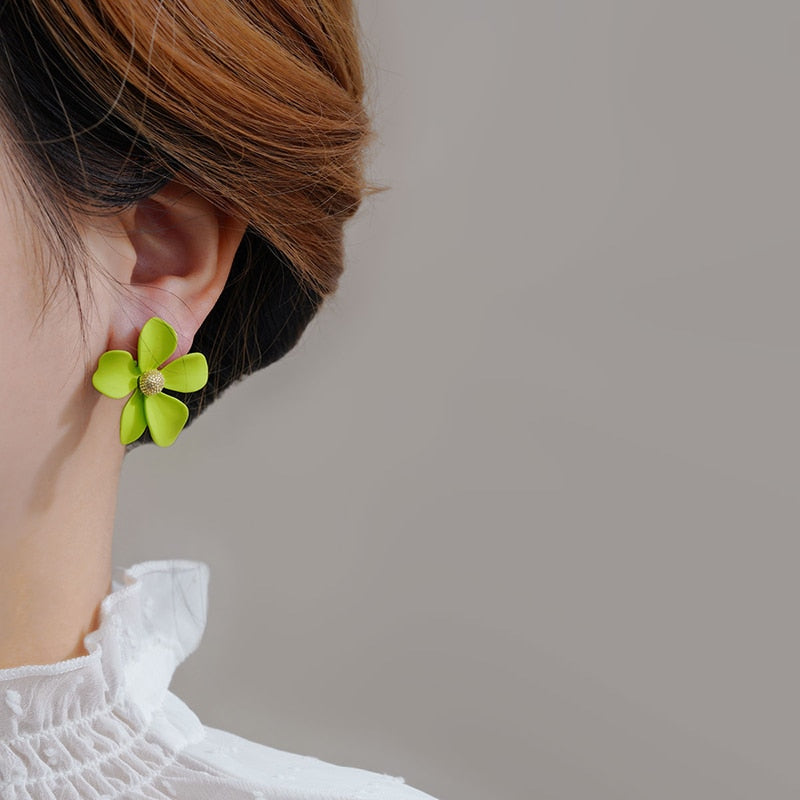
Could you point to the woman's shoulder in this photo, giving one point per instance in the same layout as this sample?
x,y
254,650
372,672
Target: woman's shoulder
x,y
104,725
220,764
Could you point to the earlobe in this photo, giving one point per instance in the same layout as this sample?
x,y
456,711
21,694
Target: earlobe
x,y
184,247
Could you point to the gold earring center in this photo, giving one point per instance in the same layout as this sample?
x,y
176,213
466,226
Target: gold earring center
x,y
151,382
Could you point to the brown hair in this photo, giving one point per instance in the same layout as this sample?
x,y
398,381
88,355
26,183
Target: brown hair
x,y
258,106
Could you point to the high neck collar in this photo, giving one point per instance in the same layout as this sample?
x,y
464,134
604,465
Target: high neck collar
x,y
151,620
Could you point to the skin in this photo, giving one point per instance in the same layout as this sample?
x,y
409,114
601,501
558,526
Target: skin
x,y
169,256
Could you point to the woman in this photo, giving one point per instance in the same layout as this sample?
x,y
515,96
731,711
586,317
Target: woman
x,y
174,176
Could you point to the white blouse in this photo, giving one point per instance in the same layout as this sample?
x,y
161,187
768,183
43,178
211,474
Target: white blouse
x,y
104,725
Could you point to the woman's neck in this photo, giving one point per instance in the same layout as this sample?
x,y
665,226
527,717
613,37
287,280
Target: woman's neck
x,y
56,530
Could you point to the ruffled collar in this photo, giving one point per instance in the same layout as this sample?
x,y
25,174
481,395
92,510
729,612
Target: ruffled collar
x,y
151,620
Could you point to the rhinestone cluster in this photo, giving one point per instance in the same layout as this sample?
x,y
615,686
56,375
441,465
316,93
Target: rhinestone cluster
x,y
151,382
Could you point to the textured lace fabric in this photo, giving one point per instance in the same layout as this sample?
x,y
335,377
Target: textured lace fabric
x,y
105,725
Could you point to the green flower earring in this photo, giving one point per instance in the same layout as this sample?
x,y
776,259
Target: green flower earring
x,y
117,375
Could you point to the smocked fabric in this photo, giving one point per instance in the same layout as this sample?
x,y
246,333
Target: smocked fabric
x,y
105,725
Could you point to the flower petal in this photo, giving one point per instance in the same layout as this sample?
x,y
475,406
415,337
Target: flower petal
x,y
132,422
116,374
166,416
157,342
187,373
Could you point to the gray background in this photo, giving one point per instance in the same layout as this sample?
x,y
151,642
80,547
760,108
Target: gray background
x,y
518,518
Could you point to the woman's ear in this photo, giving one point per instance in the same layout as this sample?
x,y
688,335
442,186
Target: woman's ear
x,y
177,253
